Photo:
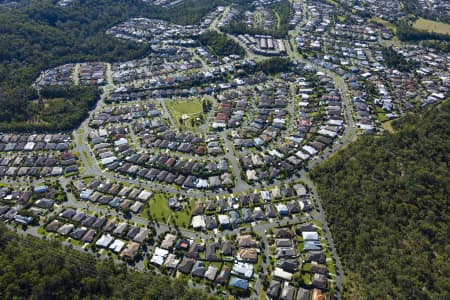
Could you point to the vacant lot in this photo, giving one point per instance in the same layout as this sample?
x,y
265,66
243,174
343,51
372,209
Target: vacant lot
x,y
430,25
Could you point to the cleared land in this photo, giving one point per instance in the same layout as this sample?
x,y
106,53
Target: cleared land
x,y
388,126
385,23
434,26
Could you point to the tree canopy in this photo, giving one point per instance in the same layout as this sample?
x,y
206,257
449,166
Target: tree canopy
x,y
220,44
387,203
36,269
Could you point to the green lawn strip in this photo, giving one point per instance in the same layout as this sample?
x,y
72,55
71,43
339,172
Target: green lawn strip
x,y
257,267
278,20
330,266
88,159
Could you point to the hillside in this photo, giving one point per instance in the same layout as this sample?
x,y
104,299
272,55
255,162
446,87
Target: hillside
x,y
387,202
35,269
43,34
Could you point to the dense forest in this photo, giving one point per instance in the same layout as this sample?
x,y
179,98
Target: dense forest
x,y
43,34
35,269
219,44
57,108
386,200
407,33
275,65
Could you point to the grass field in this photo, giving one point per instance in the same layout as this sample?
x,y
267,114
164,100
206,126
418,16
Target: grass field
x,y
160,211
430,25
184,109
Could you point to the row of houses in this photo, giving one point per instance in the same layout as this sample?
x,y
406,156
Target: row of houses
x,y
114,195
266,19
34,142
232,108
61,75
226,262
267,119
205,82
228,218
87,73
106,233
263,44
38,165
169,169
289,261
164,3
123,114
230,212
154,31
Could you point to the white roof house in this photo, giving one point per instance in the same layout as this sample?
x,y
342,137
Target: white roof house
x,y
302,155
282,209
211,273
265,195
108,160
224,220
202,184
309,149
144,195
136,206
280,273
310,236
117,246
326,132
159,256
120,142
86,194
29,146
198,222
104,241
242,269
